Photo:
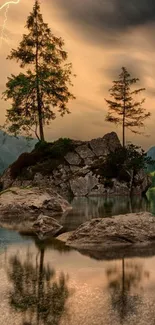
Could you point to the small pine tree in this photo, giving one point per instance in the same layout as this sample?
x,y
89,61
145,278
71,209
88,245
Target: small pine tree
x,y
124,109
45,85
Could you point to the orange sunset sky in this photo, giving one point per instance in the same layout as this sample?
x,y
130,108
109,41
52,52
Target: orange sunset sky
x,y
100,37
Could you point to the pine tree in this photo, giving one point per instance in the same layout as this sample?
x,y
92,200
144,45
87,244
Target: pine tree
x,y
45,85
124,109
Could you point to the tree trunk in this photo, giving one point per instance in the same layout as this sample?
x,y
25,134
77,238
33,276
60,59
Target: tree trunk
x,y
124,111
123,275
131,182
123,292
41,129
39,101
40,284
123,130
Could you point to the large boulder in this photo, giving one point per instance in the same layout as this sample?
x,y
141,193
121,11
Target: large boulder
x,y
102,146
19,204
108,233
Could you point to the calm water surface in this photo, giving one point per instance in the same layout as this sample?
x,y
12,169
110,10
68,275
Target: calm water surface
x,y
84,209
47,283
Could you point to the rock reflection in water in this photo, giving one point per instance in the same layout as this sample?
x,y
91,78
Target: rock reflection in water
x,y
37,292
36,288
125,287
151,198
84,209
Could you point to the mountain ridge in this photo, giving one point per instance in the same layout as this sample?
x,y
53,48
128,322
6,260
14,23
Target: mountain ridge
x,y
12,147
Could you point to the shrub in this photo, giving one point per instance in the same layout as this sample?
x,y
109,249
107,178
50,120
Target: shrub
x,y
45,157
24,161
61,147
41,145
123,160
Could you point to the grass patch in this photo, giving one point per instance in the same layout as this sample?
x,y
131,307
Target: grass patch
x,y
8,190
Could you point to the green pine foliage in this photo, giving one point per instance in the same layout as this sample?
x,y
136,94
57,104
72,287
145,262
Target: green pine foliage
x,y
124,109
44,86
124,160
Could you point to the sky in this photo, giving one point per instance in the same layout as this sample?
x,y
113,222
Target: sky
x,y
100,37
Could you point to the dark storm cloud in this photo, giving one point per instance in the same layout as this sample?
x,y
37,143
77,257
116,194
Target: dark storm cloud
x,y
136,68
106,15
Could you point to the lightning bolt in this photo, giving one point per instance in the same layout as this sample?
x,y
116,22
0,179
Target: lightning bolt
x,y
7,5
4,24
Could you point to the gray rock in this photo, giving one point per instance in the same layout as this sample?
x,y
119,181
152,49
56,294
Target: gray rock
x,y
112,141
99,147
83,171
60,175
65,167
6,179
122,230
89,161
84,151
102,146
82,186
73,158
74,169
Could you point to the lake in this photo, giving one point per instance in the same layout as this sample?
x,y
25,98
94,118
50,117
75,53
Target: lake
x,y
47,283
84,209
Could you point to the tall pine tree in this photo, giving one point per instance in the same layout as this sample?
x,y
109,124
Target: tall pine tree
x,y
124,109
45,84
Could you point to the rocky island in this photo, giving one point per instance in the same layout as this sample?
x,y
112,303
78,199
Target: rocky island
x,y
76,168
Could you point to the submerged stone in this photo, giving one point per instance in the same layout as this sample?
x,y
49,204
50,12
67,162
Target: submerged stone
x,y
46,226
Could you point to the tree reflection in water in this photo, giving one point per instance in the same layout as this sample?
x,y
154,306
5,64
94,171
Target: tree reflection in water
x,y
37,292
123,285
151,198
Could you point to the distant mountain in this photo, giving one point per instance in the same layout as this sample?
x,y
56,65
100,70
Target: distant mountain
x,y
151,153
11,148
